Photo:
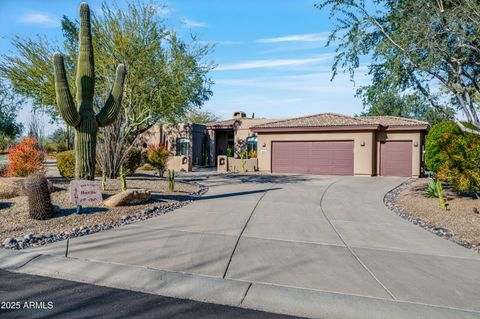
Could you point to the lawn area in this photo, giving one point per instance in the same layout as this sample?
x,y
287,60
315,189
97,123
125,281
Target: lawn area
x,y
462,217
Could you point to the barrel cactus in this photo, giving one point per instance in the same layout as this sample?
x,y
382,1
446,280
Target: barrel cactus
x,y
39,201
81,115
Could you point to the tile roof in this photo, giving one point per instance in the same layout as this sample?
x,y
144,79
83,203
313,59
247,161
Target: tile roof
x,y
333,119
393,120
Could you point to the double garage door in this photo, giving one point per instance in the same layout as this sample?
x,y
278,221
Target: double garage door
x,y
313,157
336,157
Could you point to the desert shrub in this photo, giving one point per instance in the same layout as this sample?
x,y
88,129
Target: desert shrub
x,y
66,164
133,161
157,156
436,138
5,142
3,168
460,160
147,167
230,151
431,189
24,158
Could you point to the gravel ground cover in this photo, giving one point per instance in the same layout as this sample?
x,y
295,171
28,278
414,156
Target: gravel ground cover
x,y
18,231
460,223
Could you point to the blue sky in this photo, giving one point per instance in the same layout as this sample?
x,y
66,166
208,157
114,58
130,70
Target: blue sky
x,y
271,55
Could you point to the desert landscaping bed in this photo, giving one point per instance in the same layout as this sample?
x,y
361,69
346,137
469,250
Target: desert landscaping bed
x,y
460,223
18,231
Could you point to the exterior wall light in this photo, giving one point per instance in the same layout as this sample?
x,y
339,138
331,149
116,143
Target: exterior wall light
x,y
264,145
362,143
415,144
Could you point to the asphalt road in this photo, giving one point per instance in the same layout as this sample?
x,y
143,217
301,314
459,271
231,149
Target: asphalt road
x,y
68,299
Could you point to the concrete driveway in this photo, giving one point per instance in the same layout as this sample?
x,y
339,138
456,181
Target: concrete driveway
x,y
303,245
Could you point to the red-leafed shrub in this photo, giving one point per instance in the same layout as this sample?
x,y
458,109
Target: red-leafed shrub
x,y
24,158
157,156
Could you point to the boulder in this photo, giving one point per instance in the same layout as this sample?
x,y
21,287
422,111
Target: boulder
x,y
128,197
13,187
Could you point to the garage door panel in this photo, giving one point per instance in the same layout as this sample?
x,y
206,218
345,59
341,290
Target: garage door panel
x,y
312,157
396,158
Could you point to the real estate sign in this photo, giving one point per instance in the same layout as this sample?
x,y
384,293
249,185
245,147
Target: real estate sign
x,y
85,193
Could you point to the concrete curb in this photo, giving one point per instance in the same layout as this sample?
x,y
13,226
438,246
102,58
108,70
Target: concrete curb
x,y
258,296
319,304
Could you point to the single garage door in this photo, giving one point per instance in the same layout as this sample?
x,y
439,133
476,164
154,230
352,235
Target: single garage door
x,y
305,157
396,158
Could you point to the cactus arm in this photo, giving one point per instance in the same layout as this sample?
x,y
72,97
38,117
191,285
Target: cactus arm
x,y
110,110
65,102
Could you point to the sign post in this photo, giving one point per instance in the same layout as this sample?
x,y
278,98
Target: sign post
x,y
85,193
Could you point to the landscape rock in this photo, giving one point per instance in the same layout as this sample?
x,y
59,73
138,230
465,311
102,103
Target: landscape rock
x,y
8,241
128,197
13,186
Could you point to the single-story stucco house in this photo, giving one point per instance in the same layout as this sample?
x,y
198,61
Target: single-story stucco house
x,y
323,144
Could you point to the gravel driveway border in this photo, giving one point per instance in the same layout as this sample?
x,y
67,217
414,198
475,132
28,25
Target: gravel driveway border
x,y
147,213
389,201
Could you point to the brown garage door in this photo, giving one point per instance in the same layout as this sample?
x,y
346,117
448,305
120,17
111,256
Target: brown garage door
x,y
322,158
396,158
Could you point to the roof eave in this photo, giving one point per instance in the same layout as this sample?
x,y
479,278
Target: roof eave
x,y
330,128
420,127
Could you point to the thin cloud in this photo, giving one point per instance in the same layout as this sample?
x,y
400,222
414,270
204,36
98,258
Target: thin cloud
x,y
193,23
222,42
272,63
162,11
40,18
310,37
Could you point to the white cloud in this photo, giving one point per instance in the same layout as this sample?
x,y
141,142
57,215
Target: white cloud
x,y
163,11
271,63
310,37
193,23
308,82
40,18
222,42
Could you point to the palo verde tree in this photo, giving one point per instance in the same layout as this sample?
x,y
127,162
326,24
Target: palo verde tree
x,y
430,48
81,115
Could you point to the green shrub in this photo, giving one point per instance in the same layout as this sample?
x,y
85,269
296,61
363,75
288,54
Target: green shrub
x,y
133,161
230,151
460,160
434,141
66,164
5,142
147,167
157,156
431,190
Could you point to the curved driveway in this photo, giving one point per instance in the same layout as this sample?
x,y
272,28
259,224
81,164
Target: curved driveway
x,y
327,234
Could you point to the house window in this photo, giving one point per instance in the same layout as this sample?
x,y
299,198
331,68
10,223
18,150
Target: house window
x,y
252,146
183,146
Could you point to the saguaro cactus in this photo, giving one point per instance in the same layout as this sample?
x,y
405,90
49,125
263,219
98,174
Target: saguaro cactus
x,y
80,115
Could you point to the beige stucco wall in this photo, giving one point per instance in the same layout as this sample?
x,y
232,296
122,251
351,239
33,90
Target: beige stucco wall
x,y
150,137
364,159
179,163
417,141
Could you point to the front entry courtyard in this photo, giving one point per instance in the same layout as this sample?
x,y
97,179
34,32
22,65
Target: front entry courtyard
x,y
303,245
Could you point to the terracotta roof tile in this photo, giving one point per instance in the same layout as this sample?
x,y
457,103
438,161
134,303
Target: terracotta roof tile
x,y
333,119
394,120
